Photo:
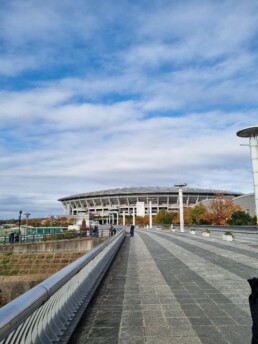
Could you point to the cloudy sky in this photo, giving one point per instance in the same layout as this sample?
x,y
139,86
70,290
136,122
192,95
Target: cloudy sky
x,y
96,95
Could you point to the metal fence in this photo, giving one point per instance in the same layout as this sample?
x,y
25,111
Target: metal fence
x,y
34,238
49,312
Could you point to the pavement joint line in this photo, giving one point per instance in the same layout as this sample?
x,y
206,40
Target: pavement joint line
x,y
160,290
239,269
250,260
159,255
217,279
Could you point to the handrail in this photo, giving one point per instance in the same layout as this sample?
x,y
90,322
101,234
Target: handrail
x,y
17,311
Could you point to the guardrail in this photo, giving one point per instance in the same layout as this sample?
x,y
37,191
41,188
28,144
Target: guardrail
x,y
35,238
49,312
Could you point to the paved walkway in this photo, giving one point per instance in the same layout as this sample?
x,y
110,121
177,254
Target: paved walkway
x,y
173,288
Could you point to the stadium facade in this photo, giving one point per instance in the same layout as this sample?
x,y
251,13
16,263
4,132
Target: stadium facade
x,y
136,200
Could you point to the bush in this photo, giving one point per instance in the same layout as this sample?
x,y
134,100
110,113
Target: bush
x,y
241,218
228,233
206,230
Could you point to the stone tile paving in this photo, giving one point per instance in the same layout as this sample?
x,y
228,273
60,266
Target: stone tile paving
x,y
233,246
238,251
233,286
240,269
163,289
229,319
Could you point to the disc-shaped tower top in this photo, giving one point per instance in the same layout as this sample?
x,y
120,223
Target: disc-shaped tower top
x,y
180,185
248,132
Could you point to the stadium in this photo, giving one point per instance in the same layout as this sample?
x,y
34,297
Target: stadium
x,y
136,200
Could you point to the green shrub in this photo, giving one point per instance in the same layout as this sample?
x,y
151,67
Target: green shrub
x,y
206,230
228,233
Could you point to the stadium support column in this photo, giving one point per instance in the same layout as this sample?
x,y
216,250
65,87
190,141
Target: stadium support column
x,y
181,204
252,134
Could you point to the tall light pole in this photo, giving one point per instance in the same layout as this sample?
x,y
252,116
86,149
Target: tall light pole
x,y
27,217
252,134
133,216
123,218
181,204
150,214
51,220
20,213
150,210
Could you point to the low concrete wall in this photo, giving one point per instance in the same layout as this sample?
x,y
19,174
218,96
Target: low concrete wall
x,y
71,245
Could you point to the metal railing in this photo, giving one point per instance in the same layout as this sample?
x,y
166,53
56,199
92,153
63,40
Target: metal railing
x,y
49,312
35,238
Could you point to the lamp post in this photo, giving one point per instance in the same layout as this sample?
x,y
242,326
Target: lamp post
x,y
133,216
27,217
150,210
123,218
51,217
181,205
252,134
150,214
20,213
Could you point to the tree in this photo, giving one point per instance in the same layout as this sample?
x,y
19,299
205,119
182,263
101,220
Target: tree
x,y
241,218
219,210
83,227
164,217
195,215
142,221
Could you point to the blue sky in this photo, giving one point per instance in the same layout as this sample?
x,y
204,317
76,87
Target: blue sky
x,y
129,93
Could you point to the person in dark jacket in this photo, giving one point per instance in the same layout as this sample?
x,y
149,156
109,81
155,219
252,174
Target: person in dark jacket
x,y
132,230
253,302
11,238
17,238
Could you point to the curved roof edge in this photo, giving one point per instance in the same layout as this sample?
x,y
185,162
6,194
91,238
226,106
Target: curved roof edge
x,y
244,195
126,191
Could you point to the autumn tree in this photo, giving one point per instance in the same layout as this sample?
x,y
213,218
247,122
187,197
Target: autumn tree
x,y
142,221
219,210
128,220
164,217
196,214
176,218
83,227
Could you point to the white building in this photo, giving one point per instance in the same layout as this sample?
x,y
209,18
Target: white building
x,y
136,199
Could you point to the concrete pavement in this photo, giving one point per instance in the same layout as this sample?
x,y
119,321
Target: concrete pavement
x,y
173,288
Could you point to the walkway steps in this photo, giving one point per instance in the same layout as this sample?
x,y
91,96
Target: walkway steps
x,y
173,288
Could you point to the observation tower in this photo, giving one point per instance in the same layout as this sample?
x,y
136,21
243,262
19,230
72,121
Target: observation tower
x,y
252,134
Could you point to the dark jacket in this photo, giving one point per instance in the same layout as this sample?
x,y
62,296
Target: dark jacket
x,y
253,302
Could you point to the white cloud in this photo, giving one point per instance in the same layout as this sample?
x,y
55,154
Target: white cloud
x,y
138,96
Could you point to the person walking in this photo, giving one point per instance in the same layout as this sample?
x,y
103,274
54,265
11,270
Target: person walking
x,y
132,230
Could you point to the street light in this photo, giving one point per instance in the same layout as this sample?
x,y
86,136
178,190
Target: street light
x,y
27,217
51,220
150,210
123,218
20,213
252,134
181,206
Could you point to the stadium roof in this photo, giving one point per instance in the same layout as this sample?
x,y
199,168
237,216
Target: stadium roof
x,y
147,190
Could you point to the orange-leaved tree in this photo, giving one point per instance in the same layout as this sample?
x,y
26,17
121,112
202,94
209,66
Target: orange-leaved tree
x,y
219,210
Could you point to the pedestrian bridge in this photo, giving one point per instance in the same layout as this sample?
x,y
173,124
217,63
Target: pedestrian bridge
x,y
158,287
